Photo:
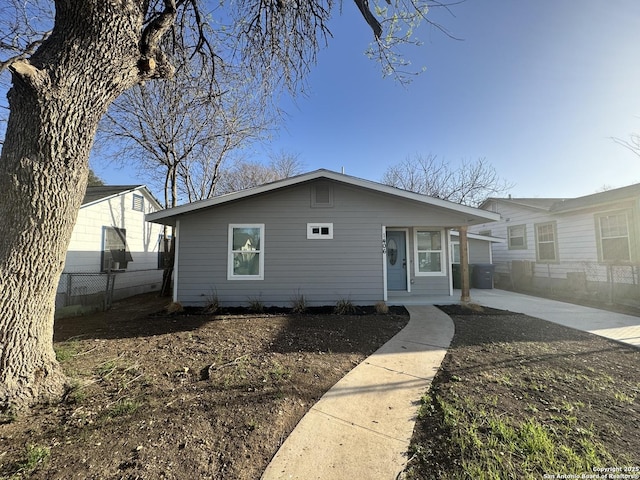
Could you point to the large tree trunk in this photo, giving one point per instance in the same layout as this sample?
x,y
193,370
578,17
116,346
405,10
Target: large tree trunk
x,y
57,98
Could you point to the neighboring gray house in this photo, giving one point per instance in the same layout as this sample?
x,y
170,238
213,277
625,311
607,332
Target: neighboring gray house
x,y
113,252
587,245
324,235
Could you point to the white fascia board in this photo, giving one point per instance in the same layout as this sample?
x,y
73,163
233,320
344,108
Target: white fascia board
x,y
475,236
124,192
478,216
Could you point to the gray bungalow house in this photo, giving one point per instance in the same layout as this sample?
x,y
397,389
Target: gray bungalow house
x,y
587,245
324,235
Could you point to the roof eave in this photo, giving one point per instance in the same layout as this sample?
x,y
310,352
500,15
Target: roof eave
x,y
479,216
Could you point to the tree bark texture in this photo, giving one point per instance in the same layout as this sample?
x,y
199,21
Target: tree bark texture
x,y
56,100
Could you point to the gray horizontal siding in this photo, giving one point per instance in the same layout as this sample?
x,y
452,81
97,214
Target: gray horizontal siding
x,y
349,266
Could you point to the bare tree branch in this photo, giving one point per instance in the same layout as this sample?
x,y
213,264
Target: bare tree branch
x,y
470,184
632,144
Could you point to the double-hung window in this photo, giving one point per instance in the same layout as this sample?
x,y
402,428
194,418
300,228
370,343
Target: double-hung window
x,y
517,236
246,252
613,230
115,253
429,252
546,242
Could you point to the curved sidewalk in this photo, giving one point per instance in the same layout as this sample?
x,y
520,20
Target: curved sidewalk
x,y
361,427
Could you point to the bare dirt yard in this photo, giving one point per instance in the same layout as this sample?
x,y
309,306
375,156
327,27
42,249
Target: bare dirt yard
x,y
184,396
204,396
520,398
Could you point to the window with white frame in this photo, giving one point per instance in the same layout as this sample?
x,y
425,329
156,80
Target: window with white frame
x,y
246,252
546,242
115,253
517,235
429,252
613,230
319,231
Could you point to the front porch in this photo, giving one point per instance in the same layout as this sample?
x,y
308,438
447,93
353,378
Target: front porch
x,y
405,298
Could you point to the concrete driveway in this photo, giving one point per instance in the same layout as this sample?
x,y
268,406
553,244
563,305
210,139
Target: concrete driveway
x,y
617,326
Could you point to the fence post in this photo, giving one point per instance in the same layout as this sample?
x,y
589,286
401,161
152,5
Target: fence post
x,y
67,296
108,295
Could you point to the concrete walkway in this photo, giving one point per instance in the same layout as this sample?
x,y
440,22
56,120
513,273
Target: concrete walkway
x,y
361,428
617,326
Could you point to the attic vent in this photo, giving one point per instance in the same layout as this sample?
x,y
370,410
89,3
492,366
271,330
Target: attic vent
x,y
138,203
321,195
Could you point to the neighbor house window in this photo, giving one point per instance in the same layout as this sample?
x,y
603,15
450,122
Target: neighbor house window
x,y
138,203
614,241
517,237
319,231
246,252
455,252
115,254
546,242
429,252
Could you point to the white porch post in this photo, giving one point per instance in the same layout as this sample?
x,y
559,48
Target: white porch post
x,y
465,296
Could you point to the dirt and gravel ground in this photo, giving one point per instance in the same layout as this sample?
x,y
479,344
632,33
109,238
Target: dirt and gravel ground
x,y
507,377
187,396
160,396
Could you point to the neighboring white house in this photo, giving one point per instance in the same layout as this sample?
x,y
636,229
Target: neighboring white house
x,y
588,245
113,253
322,235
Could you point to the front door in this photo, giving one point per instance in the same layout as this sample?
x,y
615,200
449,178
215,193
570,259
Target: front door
x,y
396,260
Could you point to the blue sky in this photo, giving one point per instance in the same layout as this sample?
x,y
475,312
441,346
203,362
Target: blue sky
x,y
537,88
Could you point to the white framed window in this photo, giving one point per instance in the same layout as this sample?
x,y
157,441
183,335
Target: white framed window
x,y
319,231
246,252
614,237
429,252
115,252
546,242
517,235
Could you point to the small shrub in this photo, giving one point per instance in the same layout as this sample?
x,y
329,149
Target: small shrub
x,y
298,303
213,303
175,307
256,305
381,308
344,307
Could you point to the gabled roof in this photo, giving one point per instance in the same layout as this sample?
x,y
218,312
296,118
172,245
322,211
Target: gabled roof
x,y
168,216
100,193
561,205
535,203
601,198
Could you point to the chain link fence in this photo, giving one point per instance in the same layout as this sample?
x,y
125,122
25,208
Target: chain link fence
x,y
86,289
98,291
603,282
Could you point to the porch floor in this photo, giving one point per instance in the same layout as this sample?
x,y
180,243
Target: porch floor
x,y
403,298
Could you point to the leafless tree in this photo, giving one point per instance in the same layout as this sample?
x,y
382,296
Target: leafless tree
x,y
64,76
469,184
247,174
632,143
179,131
